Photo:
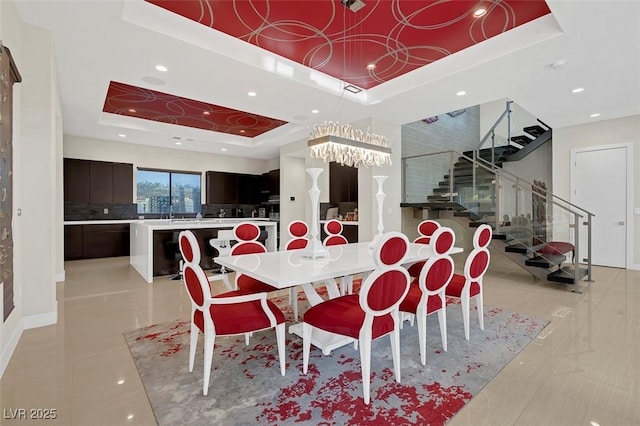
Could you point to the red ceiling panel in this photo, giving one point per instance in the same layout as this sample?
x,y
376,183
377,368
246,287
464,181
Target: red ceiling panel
x,y
397,36
148,104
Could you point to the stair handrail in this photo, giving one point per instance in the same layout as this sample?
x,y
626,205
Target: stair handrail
x,y
491,133
505,113
519,181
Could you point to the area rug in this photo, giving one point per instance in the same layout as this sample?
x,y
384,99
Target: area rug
x,y
246,387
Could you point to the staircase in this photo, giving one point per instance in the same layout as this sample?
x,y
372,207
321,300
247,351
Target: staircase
x,y
531,226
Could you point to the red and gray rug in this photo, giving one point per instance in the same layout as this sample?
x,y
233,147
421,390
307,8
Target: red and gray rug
x,y
246,386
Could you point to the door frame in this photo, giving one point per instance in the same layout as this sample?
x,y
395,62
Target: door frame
x,y
629,214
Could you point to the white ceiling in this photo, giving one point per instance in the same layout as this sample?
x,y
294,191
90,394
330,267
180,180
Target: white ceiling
x,y
598,43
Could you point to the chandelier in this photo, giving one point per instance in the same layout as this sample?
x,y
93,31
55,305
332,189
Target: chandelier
x,y
332,141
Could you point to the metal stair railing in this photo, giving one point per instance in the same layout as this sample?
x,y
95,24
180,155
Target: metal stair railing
x,y
518,184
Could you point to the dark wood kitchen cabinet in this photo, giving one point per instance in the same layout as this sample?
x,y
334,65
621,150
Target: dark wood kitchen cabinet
x,y
96,241
99,182
122,183
343,183
222,188
77,175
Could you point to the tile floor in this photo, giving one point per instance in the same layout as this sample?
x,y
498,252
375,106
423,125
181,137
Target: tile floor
x,y
584,369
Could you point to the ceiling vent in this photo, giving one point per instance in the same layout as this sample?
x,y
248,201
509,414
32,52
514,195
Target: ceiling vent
x,y
353,5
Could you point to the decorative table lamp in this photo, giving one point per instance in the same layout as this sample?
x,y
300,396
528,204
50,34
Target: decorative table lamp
x,y
380,201
315,248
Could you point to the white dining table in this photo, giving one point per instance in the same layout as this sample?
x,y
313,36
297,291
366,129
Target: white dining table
x,y
285,269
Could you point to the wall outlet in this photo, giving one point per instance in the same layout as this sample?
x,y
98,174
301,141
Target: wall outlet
x,y
106,211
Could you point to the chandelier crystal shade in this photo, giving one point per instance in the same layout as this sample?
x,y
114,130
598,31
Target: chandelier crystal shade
x,y
332,141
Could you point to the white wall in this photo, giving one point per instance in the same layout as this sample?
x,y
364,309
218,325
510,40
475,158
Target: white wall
x,y
292,184
607,132
36,160
163,158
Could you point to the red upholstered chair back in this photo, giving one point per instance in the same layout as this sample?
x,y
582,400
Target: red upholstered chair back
x,y
436,274
482,236
189,247
298,231
388,284
193,276
246,231
426,228
248,247
476,264
333,227
247,234
335,240
443,240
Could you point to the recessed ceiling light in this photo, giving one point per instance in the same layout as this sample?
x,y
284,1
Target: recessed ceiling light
x,y
178,143
314,111
223,149
131,110
206,113
161,68
578,90
371,66
461,93
242,131
597,114
252,93
479,12
558,64
130,416
122,135
353,89
120,382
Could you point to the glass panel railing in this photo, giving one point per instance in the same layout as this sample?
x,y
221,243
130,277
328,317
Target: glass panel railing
x,y
424,178
507,135
539,224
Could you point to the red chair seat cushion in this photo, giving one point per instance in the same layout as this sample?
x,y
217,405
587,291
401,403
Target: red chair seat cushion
x,y
410,303
454,289
226,317
343,315
247,284
414,270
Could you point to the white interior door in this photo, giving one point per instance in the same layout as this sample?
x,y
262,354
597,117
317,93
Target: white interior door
x,y
600,186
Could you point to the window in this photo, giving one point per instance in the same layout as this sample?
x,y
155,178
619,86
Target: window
x,y
161,191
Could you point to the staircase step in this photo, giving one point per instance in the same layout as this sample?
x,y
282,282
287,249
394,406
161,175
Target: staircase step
x,y
441,190
545,261
499,236
437,198
523,140
535,130
566,275
517,248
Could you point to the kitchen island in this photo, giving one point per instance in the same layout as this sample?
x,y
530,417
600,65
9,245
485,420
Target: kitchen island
x,y
154,242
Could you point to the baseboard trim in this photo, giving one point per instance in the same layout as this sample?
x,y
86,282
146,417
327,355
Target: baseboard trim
x,y
60,277
40,320
634,266
7,351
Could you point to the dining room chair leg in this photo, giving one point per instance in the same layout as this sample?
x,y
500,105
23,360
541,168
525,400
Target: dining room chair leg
x,y
464,302
209,341
306,346
422,334
281,349
395,350
193,343
365,365
442,319
479,305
